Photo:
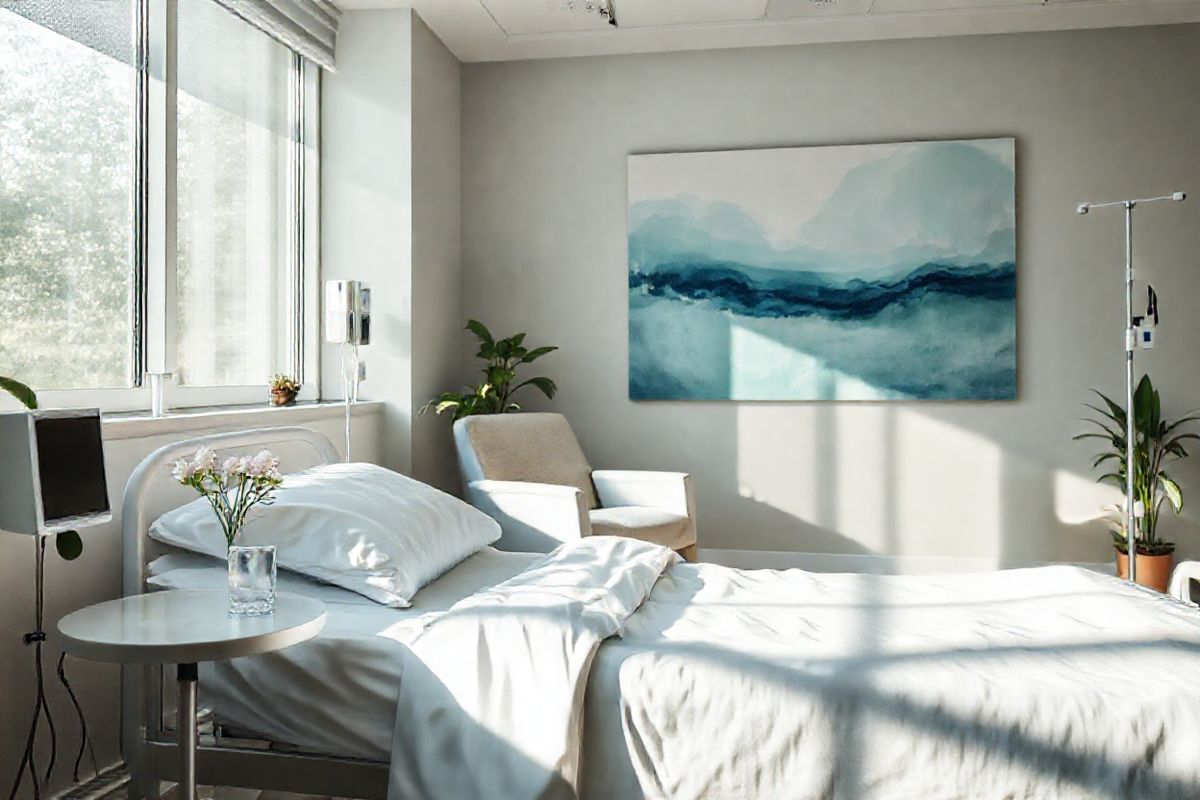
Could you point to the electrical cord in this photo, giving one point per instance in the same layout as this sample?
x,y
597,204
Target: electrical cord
x,y
37,637
349,385
85,740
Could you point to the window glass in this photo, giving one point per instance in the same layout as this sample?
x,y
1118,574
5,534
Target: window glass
x,y
234,236
66,183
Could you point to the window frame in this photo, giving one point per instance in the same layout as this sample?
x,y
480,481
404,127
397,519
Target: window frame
x,y
154,309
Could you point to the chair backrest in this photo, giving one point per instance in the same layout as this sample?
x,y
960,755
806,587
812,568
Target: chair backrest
x,y
532,447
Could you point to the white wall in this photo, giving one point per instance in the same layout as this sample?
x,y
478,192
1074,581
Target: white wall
x,y
390,205
366,207
95,577
1101,114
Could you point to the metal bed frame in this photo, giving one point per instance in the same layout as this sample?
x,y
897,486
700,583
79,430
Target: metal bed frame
x,y
148,746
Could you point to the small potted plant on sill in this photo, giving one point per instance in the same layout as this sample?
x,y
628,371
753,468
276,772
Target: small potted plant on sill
x,y
1157,443
232,488
284,390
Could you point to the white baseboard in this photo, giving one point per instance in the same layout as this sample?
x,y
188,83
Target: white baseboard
x,y
870,564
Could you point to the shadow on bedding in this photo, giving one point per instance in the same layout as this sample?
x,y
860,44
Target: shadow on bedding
x,y
859,718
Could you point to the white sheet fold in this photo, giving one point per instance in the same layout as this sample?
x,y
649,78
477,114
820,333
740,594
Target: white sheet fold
x,y
491,695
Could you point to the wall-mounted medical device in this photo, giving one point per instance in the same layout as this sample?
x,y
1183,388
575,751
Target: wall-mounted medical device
x,y
52,471
348,323
347,312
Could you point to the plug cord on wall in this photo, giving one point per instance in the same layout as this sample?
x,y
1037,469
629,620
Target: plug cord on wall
x,y
37,638
350,367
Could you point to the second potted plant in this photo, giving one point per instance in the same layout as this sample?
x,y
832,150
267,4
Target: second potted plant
x,y
1157,443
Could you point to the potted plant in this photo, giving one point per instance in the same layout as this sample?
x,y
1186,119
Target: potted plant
x,y
494,395
232,488
284,390
1156,444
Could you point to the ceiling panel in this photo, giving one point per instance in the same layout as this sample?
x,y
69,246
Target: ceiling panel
x,y
469,30
791,9
892,6
652,13
523,17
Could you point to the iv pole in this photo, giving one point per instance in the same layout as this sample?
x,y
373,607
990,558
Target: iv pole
x,y
1130,346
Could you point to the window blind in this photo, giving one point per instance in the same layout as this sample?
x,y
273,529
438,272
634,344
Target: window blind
x,y
103,25
307,26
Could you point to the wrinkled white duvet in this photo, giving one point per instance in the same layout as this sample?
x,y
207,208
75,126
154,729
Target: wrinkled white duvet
x,y
492,692
1053,683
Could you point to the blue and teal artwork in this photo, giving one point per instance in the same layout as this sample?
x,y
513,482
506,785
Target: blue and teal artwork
x,y
866,272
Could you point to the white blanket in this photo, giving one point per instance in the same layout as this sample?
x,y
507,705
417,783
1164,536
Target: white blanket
x,y
491,696
1053,683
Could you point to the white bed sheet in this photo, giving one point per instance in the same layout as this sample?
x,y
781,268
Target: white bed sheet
x,y
736,684
336,693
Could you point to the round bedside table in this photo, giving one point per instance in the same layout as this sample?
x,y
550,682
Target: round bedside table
x,y
184,627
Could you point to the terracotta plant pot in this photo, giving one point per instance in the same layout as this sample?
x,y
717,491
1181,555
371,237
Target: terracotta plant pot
x,y
279,398
1152,571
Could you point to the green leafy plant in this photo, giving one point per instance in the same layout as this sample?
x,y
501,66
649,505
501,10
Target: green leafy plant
x,y
68,543
23,393
502,358
1156,443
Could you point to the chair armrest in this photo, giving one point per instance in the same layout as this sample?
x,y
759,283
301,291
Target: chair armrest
x,y
534,517
670,491
1181,581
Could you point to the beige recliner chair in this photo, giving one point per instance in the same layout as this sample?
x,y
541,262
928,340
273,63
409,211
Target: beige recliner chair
x,y
528,472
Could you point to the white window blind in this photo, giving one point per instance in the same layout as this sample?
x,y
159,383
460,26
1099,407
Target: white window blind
x,y
307,26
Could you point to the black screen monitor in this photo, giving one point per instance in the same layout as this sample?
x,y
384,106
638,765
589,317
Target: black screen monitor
x,y
70,452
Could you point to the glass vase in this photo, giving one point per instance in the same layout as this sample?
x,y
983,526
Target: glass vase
x,y
251,580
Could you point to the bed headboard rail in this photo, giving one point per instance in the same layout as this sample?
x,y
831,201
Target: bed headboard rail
x,y
151,492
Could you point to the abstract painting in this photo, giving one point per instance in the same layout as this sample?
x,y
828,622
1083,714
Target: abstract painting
x,y
864,272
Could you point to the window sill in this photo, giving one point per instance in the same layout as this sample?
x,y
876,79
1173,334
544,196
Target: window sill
x,y
138,424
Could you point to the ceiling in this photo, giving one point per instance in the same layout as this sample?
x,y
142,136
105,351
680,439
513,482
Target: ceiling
x,y
501,30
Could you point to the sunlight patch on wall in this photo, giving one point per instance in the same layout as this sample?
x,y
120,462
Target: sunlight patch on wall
x,y
1079,500
949,491
765,367
777,459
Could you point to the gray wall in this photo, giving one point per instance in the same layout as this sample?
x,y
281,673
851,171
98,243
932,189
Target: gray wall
x,y
437,253
390,205
1102,114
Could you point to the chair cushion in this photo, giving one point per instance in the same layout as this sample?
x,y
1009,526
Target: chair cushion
x,y
527,447
639,522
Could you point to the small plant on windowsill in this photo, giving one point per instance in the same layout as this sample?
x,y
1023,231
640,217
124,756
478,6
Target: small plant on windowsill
x,y
284,390
502,358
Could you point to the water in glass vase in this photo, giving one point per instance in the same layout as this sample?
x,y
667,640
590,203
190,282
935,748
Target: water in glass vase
x,y
251,580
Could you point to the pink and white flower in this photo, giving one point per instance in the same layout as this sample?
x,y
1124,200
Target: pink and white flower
x,y
232,488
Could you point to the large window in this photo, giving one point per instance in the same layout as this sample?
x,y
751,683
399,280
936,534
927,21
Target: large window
x,y
234,155
153,220
66,156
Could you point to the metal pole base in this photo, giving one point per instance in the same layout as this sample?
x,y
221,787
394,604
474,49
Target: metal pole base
x,y
187,675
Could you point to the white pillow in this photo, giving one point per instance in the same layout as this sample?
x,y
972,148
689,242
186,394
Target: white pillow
x,y
358,526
